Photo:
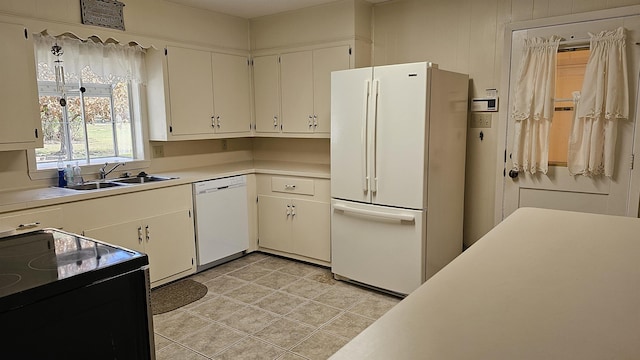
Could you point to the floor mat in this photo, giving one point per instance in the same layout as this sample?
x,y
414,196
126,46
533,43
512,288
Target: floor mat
x,y
175,295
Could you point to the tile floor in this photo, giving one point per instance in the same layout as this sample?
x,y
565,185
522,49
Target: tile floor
x,y
266,307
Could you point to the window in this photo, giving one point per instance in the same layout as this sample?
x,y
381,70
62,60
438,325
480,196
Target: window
x,y
89,117
570,70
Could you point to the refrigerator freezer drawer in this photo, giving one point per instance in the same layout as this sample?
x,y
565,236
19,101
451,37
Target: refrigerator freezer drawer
x,y
378,246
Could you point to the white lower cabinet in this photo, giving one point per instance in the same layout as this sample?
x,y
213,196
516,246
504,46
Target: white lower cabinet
x,y
157,222
294,220
19,222
163,238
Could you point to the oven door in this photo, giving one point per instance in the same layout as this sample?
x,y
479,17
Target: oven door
x,y
109,319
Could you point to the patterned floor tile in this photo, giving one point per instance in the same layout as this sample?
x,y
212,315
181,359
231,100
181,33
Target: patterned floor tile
x,y
249,319
319,346
285,333
313,313
250,348
211,339
280,303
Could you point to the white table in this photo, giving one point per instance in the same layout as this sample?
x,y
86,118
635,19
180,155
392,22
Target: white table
x,y
543,284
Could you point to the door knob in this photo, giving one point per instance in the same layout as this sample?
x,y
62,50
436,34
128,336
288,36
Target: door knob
x,y
513,173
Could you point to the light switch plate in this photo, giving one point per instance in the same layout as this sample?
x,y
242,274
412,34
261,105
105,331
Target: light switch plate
x,y
480,120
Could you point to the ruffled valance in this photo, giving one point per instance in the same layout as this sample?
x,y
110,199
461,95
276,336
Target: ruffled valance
x,y
107,60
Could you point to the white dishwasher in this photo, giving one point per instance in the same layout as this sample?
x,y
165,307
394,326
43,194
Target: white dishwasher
x,y
221,220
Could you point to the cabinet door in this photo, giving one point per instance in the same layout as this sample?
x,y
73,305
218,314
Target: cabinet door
x,y
231,93
20,125
274,223
168,240
266,93
190,91
324,62
311,229
296,79
128,235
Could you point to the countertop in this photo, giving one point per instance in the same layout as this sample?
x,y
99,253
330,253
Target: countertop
x,y
543,284
31,198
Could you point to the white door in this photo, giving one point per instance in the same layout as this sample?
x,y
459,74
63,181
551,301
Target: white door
x,y
266,93
349,155
231,93
377,245
397,133
324,62
558,189
296,81
191,91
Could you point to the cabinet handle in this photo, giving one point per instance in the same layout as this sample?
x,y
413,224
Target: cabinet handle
x,y
315,121
140,234
28,225
288,210
147,233
310,121
218,119
293,211
275,121
213,122
289,187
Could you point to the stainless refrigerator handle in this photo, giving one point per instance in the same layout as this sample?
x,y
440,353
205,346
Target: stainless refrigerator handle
x,y
374,136
363,138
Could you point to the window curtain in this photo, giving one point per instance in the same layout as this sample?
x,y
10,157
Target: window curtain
x,y
533,105
124,63
603,100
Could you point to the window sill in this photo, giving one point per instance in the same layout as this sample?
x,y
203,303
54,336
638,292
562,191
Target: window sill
x,y
88,171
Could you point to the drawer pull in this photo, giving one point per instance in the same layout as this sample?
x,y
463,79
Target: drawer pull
x,y
289,187
29,225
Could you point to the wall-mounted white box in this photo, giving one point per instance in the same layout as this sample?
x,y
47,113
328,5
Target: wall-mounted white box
x,y
484,104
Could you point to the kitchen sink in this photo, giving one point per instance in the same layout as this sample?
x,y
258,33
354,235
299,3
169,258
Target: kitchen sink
x,y
93,185
141,179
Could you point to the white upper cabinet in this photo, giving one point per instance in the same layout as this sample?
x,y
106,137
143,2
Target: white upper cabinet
x,y
296,75
293,90
190,91
231,93
20,125
197,94
266,71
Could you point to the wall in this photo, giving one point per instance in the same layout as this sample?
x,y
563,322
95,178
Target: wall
x,y
155,19
319,24
467,36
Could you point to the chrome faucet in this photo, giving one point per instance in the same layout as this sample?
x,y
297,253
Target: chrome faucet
x,y
103,173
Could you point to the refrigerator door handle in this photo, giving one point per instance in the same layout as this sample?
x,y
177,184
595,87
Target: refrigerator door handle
x,y
374,152
363,137
378,214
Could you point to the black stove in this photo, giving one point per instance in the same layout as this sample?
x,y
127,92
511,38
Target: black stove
x,y
56,286
46,262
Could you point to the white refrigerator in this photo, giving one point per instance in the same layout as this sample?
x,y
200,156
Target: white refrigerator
x,y
398,140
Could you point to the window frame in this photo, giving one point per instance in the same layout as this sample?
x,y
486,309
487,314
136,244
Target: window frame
x,y
139,133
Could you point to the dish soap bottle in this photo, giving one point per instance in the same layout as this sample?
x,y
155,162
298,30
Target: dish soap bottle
x,y
68,173
77,175
62,182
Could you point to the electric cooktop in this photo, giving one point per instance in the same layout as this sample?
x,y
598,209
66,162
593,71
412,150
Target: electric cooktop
x,y
46,262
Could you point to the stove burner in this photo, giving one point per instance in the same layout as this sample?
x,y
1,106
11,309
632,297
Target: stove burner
x,y
8,280
48,262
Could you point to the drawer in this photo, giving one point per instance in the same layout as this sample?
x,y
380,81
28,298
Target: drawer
x,y
292,185
30,220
